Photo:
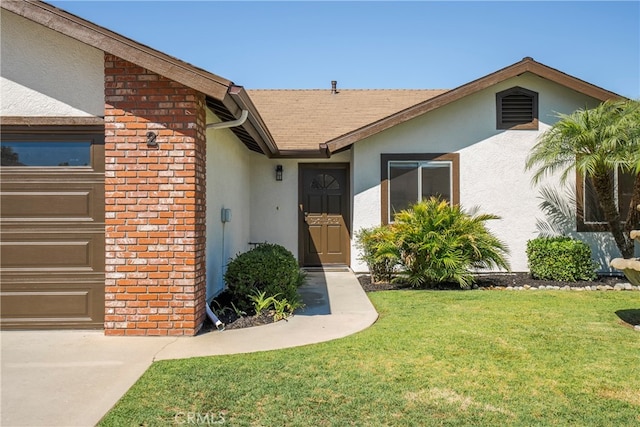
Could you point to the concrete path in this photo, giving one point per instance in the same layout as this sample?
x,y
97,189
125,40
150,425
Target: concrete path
x,y
72,378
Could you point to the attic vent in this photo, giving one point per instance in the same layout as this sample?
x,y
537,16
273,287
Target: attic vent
x,y
517,108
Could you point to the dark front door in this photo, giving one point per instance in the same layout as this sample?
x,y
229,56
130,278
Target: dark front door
x,y
324,214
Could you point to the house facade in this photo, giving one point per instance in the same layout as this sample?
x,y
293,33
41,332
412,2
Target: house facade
x,y
130,178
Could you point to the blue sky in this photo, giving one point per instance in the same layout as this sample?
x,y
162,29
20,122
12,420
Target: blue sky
x,y
382,44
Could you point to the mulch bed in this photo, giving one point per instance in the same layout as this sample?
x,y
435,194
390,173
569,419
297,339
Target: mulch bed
x,y
489,281
232,321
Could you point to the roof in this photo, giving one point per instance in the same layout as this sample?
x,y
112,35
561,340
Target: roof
x,y
527,64
303,120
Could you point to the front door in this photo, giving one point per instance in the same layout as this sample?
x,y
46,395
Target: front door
x,y
324,214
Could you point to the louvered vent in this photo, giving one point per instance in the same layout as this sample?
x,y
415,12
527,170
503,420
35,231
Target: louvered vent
x,y
517,108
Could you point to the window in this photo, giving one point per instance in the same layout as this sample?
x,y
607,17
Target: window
x,y
517,109
408,178
590,214
52,147
30,153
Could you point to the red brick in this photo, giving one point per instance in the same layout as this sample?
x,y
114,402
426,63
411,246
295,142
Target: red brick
x,y
149,192
135,332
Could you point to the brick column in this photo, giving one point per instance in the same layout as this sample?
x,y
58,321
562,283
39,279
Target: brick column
x,y
154,202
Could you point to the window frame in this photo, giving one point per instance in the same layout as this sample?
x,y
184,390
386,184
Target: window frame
x,y
531,125
592,226
386,159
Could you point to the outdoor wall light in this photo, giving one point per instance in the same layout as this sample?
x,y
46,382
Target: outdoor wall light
x,y
279,173
152,139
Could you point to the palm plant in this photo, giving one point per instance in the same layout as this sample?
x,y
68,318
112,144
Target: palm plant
x,y
436,242
596,142
381,263
558,205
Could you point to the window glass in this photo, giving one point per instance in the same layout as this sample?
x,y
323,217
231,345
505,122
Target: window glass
x,y
410,182
625,191
324,182
436,180
403,186
592,210
29,153
624,182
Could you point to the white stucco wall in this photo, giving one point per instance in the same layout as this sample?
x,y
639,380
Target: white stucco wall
x,y
228,187
44,73
492,174
274,204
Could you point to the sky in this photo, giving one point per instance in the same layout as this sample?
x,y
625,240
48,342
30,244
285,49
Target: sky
x,y
382,44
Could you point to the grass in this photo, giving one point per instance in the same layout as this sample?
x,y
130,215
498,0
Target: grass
x,y
444,358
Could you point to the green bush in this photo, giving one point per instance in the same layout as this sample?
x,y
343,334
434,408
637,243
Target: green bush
x,y
439,243
267,268
560,258
369,241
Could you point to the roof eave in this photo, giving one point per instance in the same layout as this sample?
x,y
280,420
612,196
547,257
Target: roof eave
x,y
237,99
523,66
321,153
123,47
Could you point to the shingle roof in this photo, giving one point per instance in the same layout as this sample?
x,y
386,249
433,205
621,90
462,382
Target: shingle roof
x,y
304,119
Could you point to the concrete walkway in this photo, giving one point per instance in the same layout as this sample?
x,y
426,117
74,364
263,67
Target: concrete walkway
x,y
72,378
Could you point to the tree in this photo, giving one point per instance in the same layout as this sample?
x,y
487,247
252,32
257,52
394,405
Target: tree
x,y
9,157
597,142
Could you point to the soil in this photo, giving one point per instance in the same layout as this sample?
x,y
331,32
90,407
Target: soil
x,y
492,281
233,321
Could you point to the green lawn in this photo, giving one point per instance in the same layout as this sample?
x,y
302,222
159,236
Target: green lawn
x,y
433,358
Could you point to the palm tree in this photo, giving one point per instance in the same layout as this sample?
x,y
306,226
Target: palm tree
x,y
597,142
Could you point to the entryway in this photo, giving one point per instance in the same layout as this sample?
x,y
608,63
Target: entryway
x,y
324,214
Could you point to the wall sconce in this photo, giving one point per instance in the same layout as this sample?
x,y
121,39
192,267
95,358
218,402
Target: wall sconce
x,y
151,139
279,173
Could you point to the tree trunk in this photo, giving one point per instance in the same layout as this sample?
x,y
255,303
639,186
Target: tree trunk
x,y
603,185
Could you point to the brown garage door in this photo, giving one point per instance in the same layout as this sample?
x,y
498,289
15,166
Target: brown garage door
x,y
52,228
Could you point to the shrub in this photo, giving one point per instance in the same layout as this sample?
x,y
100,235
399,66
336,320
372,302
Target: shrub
x,y
370,241
436,242
560,258
267,268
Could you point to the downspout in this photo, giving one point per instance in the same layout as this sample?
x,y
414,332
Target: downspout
x,y
231,123
214,319
223,125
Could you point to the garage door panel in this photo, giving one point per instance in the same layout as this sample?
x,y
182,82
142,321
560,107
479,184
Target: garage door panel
x,y
78,205
55,304
60,303
71,255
